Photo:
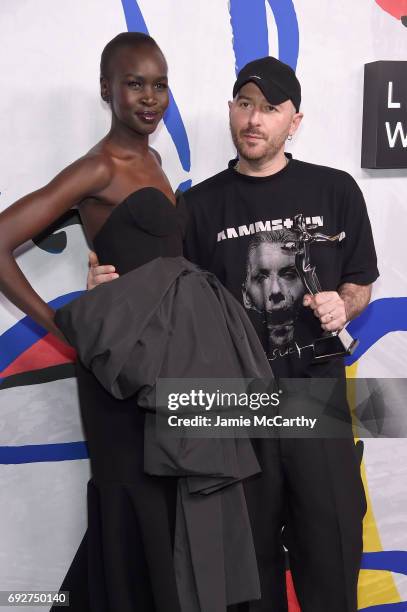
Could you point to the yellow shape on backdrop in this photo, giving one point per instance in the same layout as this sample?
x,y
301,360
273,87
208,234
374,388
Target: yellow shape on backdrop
x,y
374,587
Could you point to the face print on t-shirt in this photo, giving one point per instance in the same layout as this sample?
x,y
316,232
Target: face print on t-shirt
x,y
272,286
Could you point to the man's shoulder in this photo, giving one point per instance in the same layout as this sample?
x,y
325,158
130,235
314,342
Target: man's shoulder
x,y
209,186
323,173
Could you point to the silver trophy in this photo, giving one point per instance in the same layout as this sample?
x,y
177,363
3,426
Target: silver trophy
x,y
331,344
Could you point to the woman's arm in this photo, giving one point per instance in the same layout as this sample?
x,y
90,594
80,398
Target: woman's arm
x,y
33,213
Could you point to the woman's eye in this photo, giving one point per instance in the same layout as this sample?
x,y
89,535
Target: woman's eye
x,y
134,84
244,104
162,86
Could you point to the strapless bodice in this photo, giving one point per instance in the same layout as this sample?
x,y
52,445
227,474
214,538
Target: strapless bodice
x,y
145,225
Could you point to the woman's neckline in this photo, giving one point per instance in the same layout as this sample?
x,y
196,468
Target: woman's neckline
x,y
178,194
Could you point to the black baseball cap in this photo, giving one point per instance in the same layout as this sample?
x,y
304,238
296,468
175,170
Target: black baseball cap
x,y
276,80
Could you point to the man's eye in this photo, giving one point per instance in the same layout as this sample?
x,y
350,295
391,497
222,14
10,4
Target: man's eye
x,y
161,86
269,108
244,104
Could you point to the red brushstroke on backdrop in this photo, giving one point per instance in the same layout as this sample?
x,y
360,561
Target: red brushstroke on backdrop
x,y
396,8
49,351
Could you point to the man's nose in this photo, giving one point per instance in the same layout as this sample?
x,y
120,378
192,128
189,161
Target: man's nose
x,y
254,117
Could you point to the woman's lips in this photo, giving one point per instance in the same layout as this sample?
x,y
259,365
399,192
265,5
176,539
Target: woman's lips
x,y
148,116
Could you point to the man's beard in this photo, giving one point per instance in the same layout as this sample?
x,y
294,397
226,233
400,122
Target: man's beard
x,y
244,151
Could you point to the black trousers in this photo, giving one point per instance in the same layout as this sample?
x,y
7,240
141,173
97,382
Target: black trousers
x,y
309,498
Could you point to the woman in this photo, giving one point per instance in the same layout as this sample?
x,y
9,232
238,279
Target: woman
x,y
125,561
134,82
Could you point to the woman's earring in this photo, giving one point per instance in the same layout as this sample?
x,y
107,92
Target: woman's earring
x,y
289,137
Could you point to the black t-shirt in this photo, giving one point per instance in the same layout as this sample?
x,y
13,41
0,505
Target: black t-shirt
x,y
238,229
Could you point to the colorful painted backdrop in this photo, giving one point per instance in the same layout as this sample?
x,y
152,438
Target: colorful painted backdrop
x,y
51,113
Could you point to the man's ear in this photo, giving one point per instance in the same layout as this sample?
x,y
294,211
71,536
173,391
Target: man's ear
x,y
295,123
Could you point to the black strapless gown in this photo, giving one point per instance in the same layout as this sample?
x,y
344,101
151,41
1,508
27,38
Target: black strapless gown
x,y
124,563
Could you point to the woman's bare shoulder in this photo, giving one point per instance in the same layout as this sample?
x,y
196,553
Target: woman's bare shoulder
x,y
95,167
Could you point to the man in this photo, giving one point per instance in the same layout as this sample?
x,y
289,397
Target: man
x,y
309,495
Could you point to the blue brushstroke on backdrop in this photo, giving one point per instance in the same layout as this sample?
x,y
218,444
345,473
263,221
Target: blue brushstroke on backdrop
x,y
386,560
37,453
250,33
381,317
249,27
23,334
134,17
172,118
184,185
287,28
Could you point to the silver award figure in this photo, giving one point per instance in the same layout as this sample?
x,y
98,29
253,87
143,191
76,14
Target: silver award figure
x,y
331,344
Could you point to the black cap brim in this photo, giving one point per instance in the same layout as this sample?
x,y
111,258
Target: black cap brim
x,y
272,93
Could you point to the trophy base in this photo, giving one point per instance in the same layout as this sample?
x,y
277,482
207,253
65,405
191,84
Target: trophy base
x,y
334,344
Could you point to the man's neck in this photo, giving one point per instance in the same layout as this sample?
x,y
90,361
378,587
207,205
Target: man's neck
x,y
254,167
